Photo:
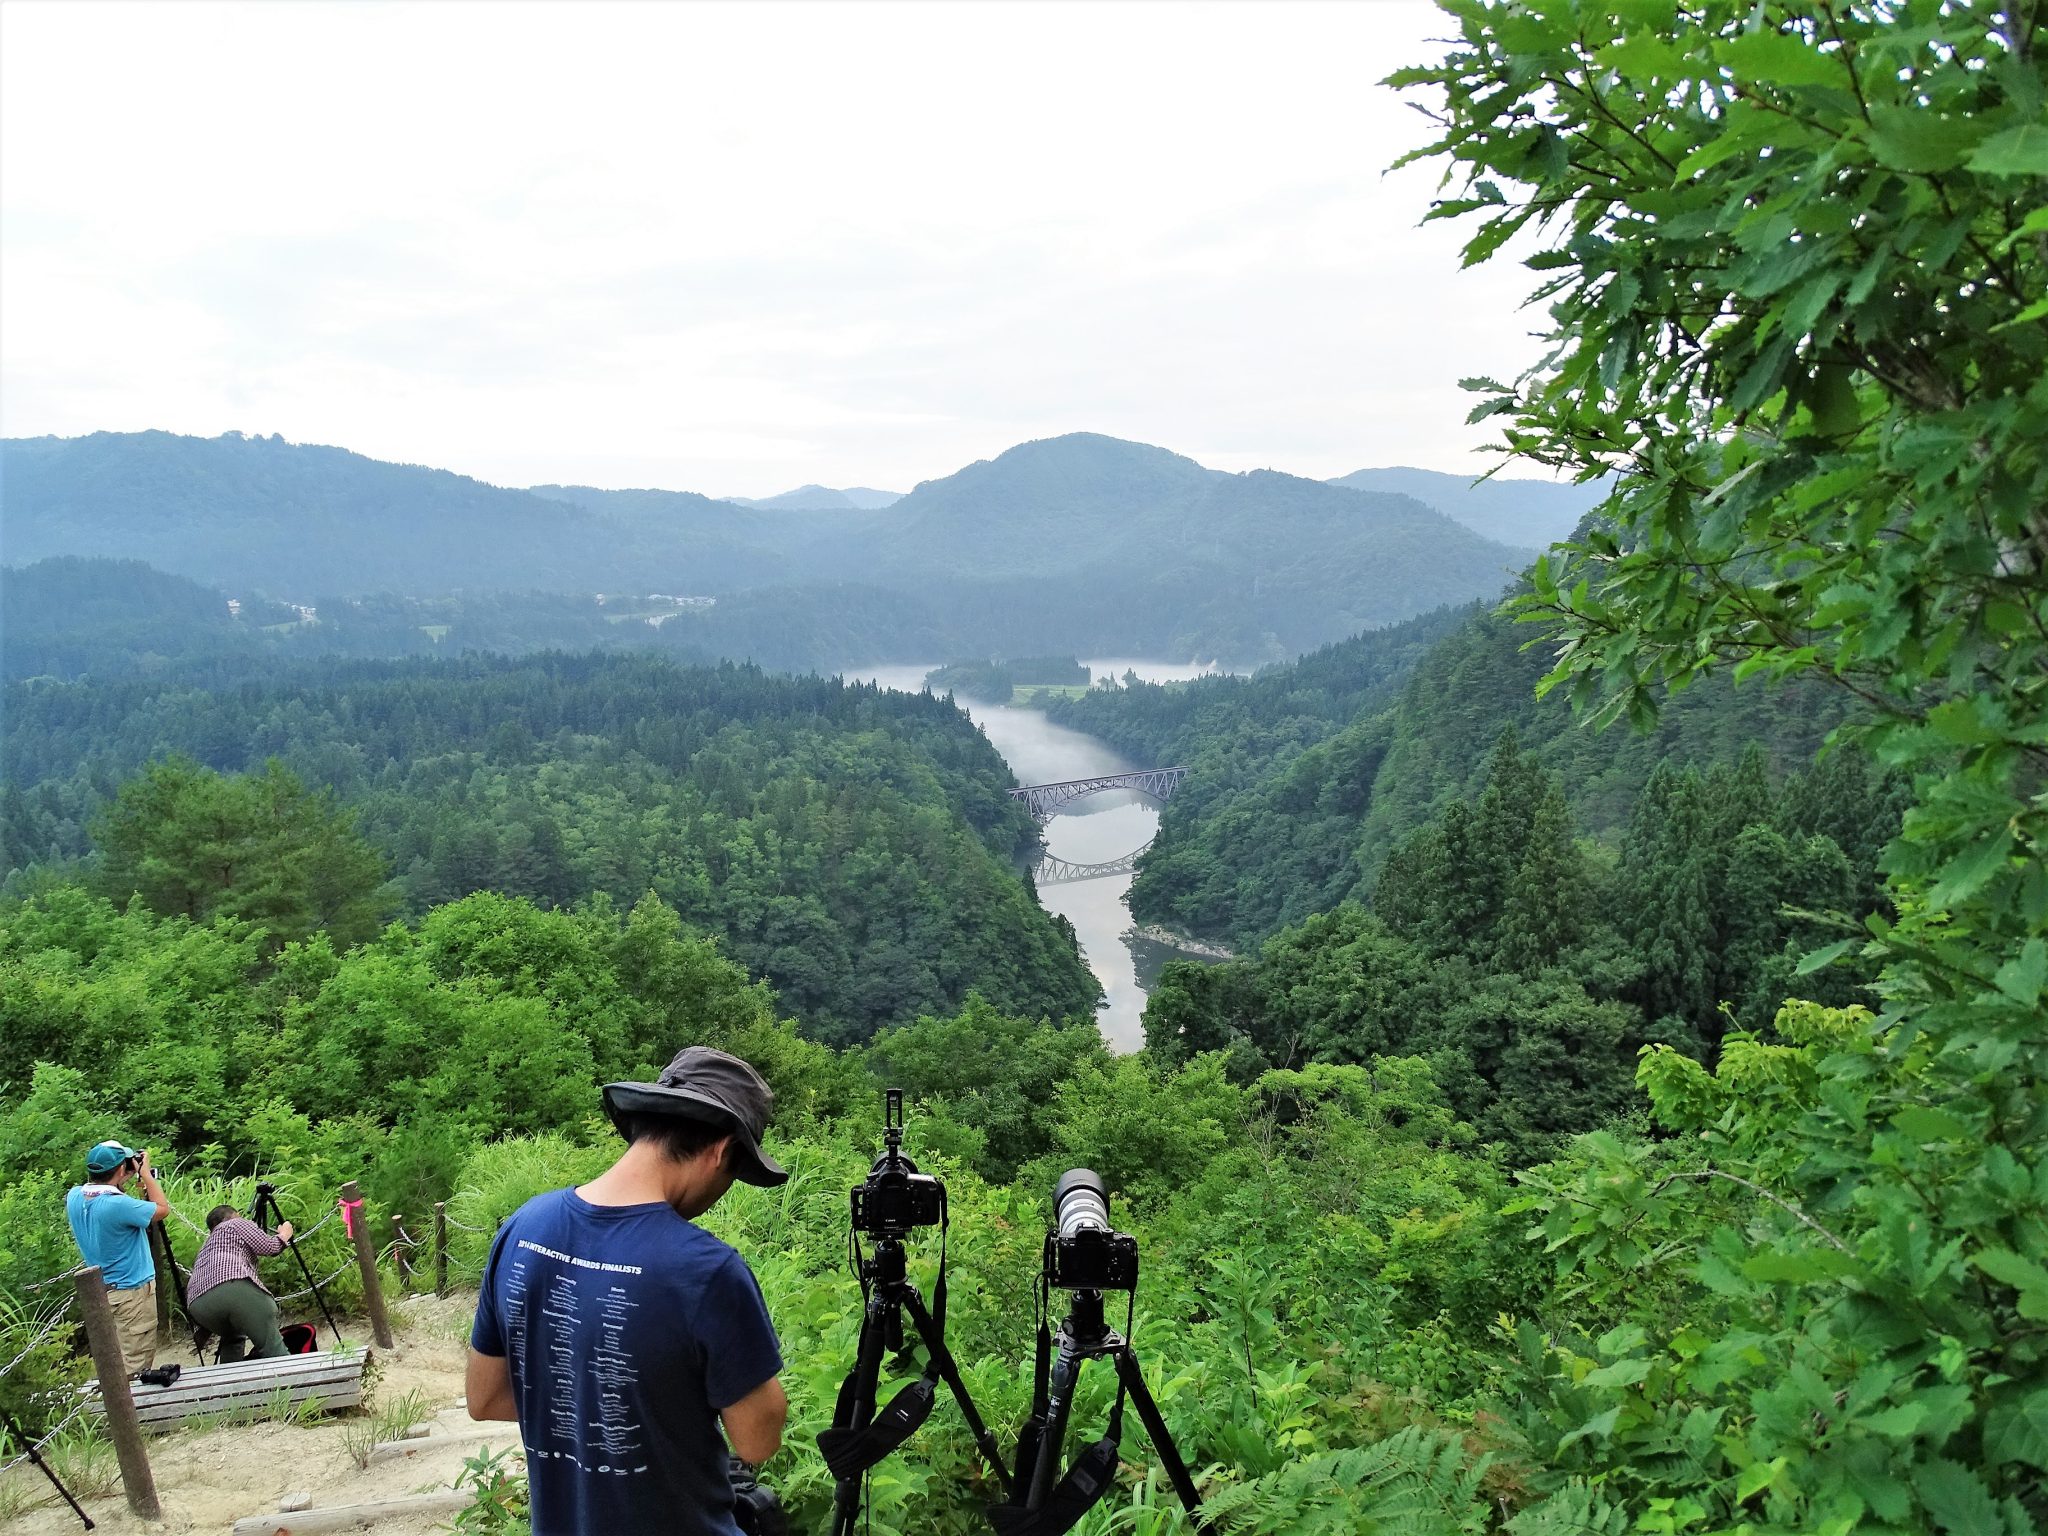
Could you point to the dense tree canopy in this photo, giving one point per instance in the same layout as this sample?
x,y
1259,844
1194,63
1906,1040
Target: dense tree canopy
x,y
853,846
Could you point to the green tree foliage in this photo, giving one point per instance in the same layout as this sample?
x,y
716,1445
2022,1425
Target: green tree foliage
x,y
1530,970
1797,288
259,847
850,845
1308,776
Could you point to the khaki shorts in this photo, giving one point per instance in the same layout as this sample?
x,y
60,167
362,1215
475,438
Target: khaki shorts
x,y
135,1322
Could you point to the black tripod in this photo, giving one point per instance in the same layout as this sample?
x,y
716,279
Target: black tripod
x,y
858,1438
894,1200
199,1334
1053,1503
265,1205
43,1466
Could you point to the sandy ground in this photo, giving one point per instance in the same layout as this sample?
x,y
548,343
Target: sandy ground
x,y
206,1480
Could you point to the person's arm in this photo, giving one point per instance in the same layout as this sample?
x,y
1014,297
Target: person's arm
x,y
487,1384
152,1191
743,1362
261,1244
753,1425
487,1379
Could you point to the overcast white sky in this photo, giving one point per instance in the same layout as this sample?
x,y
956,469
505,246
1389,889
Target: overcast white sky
x,y
734,248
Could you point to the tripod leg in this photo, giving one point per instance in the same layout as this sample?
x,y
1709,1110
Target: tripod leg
x,y
35,1455
949,1372
1162,1437
267,1203
1059,1405
859,1407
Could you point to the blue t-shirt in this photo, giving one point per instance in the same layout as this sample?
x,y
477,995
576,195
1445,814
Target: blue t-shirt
x,y
112,1230
626,1329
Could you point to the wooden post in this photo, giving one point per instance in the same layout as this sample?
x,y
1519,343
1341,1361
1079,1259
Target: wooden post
x,y
112,1366
366,1262
440,1247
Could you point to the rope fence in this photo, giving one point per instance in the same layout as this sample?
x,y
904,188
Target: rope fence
x,y
42,1441
44,1328
318,1285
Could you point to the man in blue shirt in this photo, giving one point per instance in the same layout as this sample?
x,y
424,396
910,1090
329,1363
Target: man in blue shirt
x,y
621,1335
112,1231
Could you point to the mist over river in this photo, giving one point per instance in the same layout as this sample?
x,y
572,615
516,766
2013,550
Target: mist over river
x,y
1091,831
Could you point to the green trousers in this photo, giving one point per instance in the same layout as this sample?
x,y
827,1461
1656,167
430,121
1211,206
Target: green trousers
x,y
243,1314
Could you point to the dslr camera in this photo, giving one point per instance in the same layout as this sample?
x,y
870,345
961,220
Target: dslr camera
x,y
1083,1252
895,1198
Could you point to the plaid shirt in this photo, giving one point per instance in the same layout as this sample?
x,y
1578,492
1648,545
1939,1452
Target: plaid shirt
x,y
230,1252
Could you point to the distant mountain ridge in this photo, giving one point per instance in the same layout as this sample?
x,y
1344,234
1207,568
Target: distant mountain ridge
x,y
1081,541
822,498
1529,514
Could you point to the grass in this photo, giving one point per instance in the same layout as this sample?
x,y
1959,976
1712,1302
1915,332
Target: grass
x,y
386,1421
83,1459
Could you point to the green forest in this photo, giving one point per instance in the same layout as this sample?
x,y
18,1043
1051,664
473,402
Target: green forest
x,y
1628,1115
852,846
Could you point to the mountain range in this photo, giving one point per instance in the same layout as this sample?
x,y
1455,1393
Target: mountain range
x,y
1081,542
822,498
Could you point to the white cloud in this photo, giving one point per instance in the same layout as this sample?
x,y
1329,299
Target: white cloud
x,y
734,247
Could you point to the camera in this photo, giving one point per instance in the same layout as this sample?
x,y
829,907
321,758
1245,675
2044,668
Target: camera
x,y
1083,1251
895,1198
755,1508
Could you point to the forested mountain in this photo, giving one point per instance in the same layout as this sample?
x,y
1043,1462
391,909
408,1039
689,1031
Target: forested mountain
x,y
822,498
1293,808
260,516
1527,514
852,846
1074,543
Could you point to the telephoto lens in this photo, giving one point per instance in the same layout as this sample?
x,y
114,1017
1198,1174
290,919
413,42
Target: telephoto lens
x,y
1084,1252
1079,1202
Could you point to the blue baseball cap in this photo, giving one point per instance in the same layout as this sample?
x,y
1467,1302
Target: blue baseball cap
x,y
108,1156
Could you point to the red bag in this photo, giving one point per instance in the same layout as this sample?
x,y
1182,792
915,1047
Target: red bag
x,y
300,1338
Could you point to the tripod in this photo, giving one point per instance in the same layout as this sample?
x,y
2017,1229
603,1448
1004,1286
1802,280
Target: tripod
x,y
199,1334
35,1455
266,1205
1052,1503
858,1438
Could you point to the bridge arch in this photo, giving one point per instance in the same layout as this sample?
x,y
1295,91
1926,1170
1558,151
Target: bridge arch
x,y
1045,801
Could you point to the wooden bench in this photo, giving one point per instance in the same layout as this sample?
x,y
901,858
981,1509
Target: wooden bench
x,y
247,1389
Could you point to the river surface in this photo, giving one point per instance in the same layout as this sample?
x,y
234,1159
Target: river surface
x,y
1092,831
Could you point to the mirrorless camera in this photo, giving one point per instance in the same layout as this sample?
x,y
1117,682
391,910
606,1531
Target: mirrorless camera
x,y
895,1198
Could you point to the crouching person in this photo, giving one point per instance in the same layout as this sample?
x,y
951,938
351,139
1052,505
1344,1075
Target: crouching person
x,y
224,1295
622,1335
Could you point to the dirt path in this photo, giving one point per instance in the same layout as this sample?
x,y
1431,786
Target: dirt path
x,y
208,1479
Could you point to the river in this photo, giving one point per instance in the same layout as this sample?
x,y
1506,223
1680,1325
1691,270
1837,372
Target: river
x,y
1093,831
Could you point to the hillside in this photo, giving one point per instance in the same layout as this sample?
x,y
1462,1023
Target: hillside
x,y
1293,808
822,498
1073,543
855,847
257,515
1528,514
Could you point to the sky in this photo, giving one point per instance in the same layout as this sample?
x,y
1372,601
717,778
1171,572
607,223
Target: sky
x,y
737,248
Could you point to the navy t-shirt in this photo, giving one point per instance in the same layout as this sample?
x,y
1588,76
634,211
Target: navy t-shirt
x,y
626,1328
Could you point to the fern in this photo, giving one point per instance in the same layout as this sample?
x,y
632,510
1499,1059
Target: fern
x,y
1574,1510
1415,1483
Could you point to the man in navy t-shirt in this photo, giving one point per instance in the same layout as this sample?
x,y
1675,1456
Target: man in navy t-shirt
x,y
621,1335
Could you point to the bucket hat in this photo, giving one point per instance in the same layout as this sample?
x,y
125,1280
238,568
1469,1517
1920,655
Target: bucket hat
x,y
708,1085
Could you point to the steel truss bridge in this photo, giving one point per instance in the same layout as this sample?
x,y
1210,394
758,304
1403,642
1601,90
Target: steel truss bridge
x,y
1045,800
1053,870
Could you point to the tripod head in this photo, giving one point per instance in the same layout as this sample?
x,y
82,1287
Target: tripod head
x,y
895,1199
